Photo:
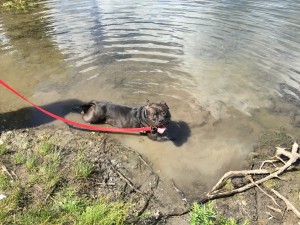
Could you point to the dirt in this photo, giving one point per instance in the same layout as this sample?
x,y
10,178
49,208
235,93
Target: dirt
x,y
254,205
118,172
123,174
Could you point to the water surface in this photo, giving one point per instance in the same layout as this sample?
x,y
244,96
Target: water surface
x,y
228,70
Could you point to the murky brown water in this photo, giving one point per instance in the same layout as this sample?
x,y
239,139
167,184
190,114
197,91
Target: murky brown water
x,y
228,70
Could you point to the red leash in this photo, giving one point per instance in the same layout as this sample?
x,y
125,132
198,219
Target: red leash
x,y
79,125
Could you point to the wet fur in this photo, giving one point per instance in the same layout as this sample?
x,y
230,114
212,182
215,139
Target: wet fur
x,y
152,114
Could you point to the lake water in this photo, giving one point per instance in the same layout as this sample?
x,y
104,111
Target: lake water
x,y
228,70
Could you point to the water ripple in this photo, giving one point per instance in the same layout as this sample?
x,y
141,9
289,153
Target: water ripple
x,y
208,49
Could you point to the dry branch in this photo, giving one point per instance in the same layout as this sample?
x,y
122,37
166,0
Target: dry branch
x,y
272,161
292,156
287,202
262,190
231,174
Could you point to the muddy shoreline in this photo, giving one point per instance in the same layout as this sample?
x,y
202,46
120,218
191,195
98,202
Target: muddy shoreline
x,y
123,174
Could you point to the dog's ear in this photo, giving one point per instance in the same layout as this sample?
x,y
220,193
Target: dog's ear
x,y
148,106
164,103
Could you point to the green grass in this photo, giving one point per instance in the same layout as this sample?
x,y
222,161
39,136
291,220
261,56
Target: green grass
x,y
107,213
69,208
85,211
82,167
228,185
18,158
206,214
31,162
45,147
4,181
43,165
3,149
10,204
44,194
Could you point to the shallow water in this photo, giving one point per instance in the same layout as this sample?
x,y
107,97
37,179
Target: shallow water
x,y
228,70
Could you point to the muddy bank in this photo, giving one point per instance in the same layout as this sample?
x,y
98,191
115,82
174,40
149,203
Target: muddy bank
x,y
124,175
257,204
117,172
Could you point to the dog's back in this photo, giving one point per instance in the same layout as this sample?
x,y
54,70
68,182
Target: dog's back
x,y
107,112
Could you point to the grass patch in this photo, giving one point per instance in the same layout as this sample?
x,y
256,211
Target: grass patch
x,y
87,211
43,165
206,214
4,182
82,167
68,208
65,207
31,162
3,149
229,185
107,213
48,170
45,148
10,204
43,191
18,158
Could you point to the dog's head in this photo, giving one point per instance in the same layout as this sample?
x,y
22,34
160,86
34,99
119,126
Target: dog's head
x,y
158,114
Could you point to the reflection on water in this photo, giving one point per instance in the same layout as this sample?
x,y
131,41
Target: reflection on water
x,y
221,67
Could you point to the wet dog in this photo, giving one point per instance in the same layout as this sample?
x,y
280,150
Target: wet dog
x,y
156,115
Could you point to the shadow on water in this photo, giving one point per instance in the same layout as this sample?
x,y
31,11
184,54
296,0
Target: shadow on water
x,y
179,132
29,117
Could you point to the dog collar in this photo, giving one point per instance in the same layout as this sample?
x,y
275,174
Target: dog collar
x,y
145,113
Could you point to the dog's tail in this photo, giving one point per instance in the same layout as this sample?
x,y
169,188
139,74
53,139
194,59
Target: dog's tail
x,y
81,108
85,108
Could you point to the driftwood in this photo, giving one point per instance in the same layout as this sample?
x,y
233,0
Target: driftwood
x,y
288,204
281,153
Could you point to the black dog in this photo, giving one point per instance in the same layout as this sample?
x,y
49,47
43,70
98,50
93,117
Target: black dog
x,y
156,115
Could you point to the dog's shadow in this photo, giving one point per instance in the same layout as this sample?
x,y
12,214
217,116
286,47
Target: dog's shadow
x,y
178,132
29,117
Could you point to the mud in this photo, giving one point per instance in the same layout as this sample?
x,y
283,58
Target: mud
x,y
123,174
254,205
118,172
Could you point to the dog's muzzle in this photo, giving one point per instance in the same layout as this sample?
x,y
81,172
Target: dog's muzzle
x,y
159,130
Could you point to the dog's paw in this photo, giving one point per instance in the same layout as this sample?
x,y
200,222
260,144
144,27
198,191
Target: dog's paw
x,y
163,138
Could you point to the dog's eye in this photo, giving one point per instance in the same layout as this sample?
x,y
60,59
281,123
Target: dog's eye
x,y
164,113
